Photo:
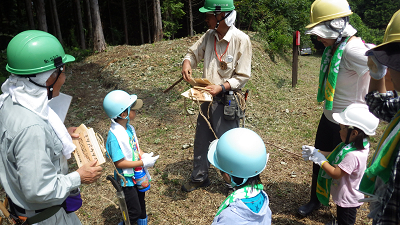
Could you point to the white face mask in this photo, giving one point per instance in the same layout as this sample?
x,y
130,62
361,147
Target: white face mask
x,y
323,31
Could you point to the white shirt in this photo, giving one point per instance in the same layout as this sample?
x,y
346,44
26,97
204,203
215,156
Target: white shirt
x,y
237,56
353,80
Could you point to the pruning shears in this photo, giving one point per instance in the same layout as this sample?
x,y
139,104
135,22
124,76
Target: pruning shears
x,y
244,111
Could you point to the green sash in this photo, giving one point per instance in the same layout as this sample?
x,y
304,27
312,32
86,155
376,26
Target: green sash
x,y
334,158
382,161
328,74
241,193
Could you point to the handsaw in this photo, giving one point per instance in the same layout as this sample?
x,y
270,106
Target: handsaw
x,y
121,199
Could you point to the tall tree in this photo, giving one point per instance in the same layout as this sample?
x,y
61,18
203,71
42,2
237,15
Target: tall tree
x,y
41,15
29,14
99,43
80,24
190,19
89,19
158,32
140,24
148,23
55,20
125,22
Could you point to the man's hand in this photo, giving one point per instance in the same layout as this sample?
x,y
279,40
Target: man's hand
x,y
376,69
71,131
89,172
214,89
187,70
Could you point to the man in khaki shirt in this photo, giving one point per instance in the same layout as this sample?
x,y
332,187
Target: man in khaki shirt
x,y
226,52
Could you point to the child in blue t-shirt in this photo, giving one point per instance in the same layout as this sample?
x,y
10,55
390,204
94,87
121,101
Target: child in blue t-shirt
x,y
123,147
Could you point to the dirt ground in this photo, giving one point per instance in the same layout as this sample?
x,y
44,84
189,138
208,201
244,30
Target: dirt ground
x,y
286,117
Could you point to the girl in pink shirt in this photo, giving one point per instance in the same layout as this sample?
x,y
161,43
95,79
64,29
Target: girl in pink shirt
x,y
342,169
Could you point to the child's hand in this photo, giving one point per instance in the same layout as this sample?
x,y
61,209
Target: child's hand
x,y
318,158
308,151
146,155
149,161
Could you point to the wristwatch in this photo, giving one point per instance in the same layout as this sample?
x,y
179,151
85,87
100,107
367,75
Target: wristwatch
x,y
223,88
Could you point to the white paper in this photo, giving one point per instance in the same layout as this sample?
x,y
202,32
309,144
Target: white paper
x,y
60,105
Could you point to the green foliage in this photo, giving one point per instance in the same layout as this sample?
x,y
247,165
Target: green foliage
x,y
375,13
172,11
369,35
275,21
79,54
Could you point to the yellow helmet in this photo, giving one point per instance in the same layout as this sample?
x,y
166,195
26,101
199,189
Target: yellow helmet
x,y
324,10
392,33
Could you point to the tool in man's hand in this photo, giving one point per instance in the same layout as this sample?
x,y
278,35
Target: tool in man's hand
x,y
10,218
177,82
244,111
121,198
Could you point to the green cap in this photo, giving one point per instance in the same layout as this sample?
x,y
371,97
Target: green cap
x,y
217,6
34,51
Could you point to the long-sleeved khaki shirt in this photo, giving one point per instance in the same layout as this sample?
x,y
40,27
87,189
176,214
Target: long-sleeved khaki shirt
x,y
33,170
237,57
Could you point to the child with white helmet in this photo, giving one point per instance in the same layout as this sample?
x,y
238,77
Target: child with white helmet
x,y
343,75
123,147
343,168
241,155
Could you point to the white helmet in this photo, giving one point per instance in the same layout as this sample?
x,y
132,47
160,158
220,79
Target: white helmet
x,y
358,115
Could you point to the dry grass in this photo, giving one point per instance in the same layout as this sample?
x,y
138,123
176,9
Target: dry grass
x,y
284,117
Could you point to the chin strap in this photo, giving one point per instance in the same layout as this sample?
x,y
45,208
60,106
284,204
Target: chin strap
x,y
349,130
215,14
234,184
340,31
127,117
59,65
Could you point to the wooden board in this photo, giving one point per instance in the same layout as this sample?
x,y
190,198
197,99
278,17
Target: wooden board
x,y
87,146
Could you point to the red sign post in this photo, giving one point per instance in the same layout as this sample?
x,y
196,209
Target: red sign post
x,y
295,62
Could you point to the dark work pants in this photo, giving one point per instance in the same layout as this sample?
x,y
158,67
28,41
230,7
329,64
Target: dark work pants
x,y
346,216
326,139
135,202
204,136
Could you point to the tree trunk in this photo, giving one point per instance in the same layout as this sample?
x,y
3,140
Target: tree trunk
x,y
89,20
140,24
190,19
28,5
80,24
125,22
56,22
99,43
158,32
41,15
148,23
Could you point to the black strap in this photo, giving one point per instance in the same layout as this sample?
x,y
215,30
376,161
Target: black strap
x,y
47,213
223,88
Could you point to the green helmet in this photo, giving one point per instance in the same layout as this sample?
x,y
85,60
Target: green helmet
x,y
217,6
35,51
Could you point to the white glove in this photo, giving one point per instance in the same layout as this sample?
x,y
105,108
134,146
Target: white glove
x,y
307,151
145,155
318,158
149,161
376,69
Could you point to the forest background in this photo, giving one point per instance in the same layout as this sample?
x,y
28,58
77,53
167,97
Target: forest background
x,y
120,45
88,26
